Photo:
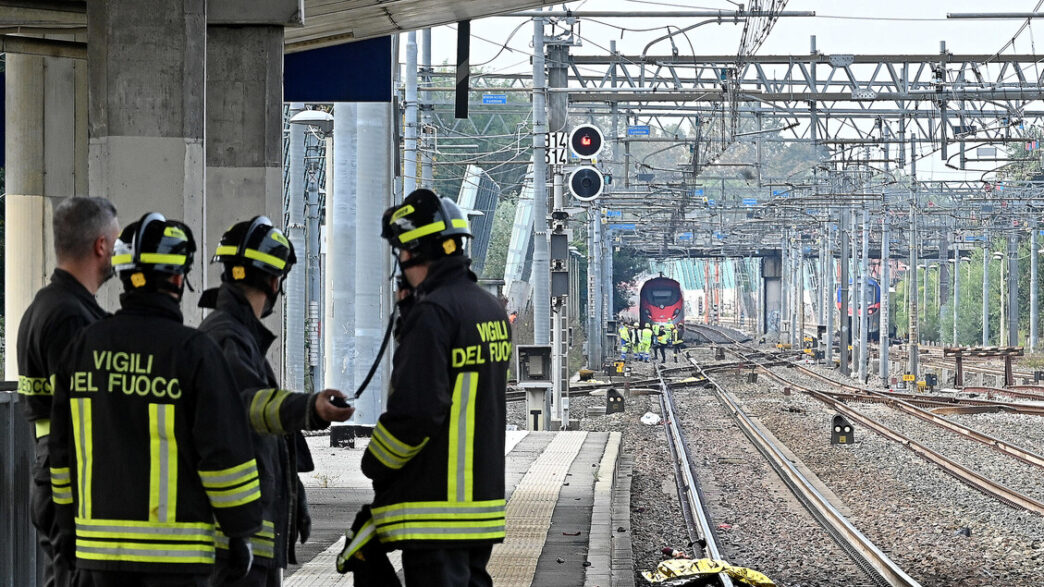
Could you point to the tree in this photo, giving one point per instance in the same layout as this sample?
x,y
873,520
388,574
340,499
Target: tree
x,y
627,265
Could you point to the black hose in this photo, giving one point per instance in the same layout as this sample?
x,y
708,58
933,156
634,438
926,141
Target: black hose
x,y
380,355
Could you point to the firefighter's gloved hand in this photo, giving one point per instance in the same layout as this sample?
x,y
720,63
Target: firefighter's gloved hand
x,y
304,526
240,557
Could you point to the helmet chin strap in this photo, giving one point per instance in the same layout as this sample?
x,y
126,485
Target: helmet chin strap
x,y
413,261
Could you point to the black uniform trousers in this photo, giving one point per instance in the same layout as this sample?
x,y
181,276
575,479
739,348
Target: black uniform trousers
x,y
447,567
663,351
59,569
127,579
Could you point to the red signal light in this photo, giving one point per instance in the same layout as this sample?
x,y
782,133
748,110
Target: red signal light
x,y
585,141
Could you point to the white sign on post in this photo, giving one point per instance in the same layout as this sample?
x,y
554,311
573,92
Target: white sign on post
x,y
557,152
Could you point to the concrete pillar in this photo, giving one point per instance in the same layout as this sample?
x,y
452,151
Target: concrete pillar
x,y
46,158
339,322
244,141
147,79
373,183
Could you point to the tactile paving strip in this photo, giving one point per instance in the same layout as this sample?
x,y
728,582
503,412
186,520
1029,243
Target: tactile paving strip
x,y
513,562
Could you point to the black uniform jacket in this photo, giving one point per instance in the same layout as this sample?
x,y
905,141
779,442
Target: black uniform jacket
x,y
58,313
436,456
149,443
276,416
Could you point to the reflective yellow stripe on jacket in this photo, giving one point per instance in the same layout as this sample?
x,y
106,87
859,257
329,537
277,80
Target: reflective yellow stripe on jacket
x,y
61,486
439,520
459,517
389,450
461,460
83,436
163,464
140,541
263,543
264,411
232,487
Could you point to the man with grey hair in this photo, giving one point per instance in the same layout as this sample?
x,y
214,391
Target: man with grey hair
x,y
85,230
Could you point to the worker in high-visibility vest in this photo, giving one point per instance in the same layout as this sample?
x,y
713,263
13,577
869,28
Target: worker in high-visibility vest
x,y
625,341
676,340
646,343
662,340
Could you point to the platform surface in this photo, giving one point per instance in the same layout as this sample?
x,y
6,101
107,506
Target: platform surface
x,y
559,487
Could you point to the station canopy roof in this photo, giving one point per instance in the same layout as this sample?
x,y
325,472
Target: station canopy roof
x,y
326,22
329,22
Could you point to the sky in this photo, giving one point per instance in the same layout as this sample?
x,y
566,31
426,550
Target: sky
x,y
841,27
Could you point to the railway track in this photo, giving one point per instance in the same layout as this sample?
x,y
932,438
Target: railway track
x,y
698,523
874,564
963,474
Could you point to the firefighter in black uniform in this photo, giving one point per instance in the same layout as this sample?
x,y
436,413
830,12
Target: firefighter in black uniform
x,y
85,230
149,438
436,457
257,257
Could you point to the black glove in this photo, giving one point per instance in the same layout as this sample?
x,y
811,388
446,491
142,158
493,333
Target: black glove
x,y
304,520
240,558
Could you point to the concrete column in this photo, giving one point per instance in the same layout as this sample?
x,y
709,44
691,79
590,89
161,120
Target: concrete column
x,y
244,141
373,182
147,78
339,322
244,100
46,159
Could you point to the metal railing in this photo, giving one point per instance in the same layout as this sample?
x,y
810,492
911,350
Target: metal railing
x,y
21,561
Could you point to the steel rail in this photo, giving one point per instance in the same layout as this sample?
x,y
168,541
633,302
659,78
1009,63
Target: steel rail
x,y
863,551
689,494
952,468
1024,455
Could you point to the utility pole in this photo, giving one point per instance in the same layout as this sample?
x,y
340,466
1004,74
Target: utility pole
x,y
541,259
409,174
829,309
912,291
886,280
986,290
956,290
853,272
1013,290
1034,315
843,343
427,173
312,379
864,271
944,280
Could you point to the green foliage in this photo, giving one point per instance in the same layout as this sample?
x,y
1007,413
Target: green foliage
x,y
500,238
626,267
969,309
499,133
